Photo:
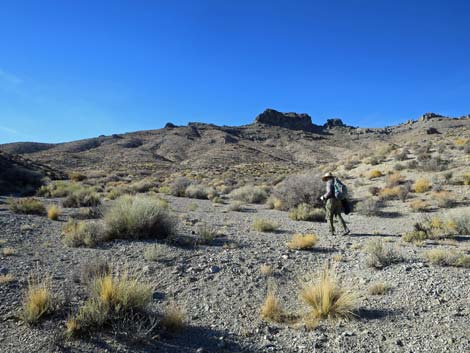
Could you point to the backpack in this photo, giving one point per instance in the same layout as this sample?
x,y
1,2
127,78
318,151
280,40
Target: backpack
x,y
341,191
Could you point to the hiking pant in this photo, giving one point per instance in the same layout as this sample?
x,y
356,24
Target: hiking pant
x,y
334,207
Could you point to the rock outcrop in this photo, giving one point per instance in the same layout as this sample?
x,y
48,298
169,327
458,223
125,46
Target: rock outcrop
x,y
429,116
291,121
331,123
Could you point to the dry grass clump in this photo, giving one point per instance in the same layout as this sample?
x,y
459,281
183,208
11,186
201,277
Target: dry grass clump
x,y
84,197
178,187
266,270
236,206
419,206
381,255
6,278
448,258
302,241
264,225
458,221
444,199
421,185
206,234
326,298
53,212
77,176
196,191
394,180
369,207
296,189
173,318
138,217
26,206
375,173
38,300
378,288
271,309
8,251
390,193
249,194
305,212
94,268
466,179
112,299
80,233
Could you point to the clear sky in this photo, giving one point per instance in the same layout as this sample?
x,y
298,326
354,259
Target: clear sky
x,y
76,69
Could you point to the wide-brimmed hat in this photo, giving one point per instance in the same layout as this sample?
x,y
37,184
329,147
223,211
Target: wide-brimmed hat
x,y
327,176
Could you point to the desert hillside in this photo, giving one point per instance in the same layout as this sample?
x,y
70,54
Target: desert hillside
x,y
205,238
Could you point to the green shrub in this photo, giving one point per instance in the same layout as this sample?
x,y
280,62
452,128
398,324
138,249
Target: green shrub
x,y
381,255
305,212
178,186
249,194
80,233
84,197
26,206
264,225
137,217
202,192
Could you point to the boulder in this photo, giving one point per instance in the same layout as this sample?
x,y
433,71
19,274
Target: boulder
x,y
291,121
429,116
331,123
432,131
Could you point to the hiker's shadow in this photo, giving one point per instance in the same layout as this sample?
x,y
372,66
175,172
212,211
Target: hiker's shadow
x,y
358,235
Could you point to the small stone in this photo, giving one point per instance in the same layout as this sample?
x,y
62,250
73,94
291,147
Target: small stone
x,y
214,269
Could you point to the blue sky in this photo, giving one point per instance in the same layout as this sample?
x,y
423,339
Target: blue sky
x,y
77,69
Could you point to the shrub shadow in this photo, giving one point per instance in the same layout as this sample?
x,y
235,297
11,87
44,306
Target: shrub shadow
x,y
375,314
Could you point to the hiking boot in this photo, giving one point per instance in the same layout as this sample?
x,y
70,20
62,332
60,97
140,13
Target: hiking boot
x,y
346,231
332,233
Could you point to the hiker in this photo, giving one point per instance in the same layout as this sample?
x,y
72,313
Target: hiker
x,y
336,202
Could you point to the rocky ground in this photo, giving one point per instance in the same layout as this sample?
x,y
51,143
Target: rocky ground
x,y
221,288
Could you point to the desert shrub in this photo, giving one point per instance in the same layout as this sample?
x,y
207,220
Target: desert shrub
x,y
53,212
374,190
8,251
249,194
401,156
350,164
173,318
111,299
434,164
404,191
458,221
431,228
326,298
447,176
77,176
448,258
178,186
374,160
58,189
80,233
4,279
274,203
398,167
378,288
93,268
305,212
271,309
137,217
466,179
419,206
394,179
375,173
381,255
236,206
88,213
264,225
369,207
38,299
266,270
390,193
206,234
84,197
196,191
297,189
421,185
444,199
412,164
26,206
302,241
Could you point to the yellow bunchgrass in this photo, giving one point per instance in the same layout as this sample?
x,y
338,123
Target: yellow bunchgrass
x,y
375,173
378,288
37,301
326,298
302,241
8,251
418,205
173,318
421,185
53,212
6,278
264,225
266,269
271,309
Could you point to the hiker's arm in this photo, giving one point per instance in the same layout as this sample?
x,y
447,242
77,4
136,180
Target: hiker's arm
x,y
330,192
